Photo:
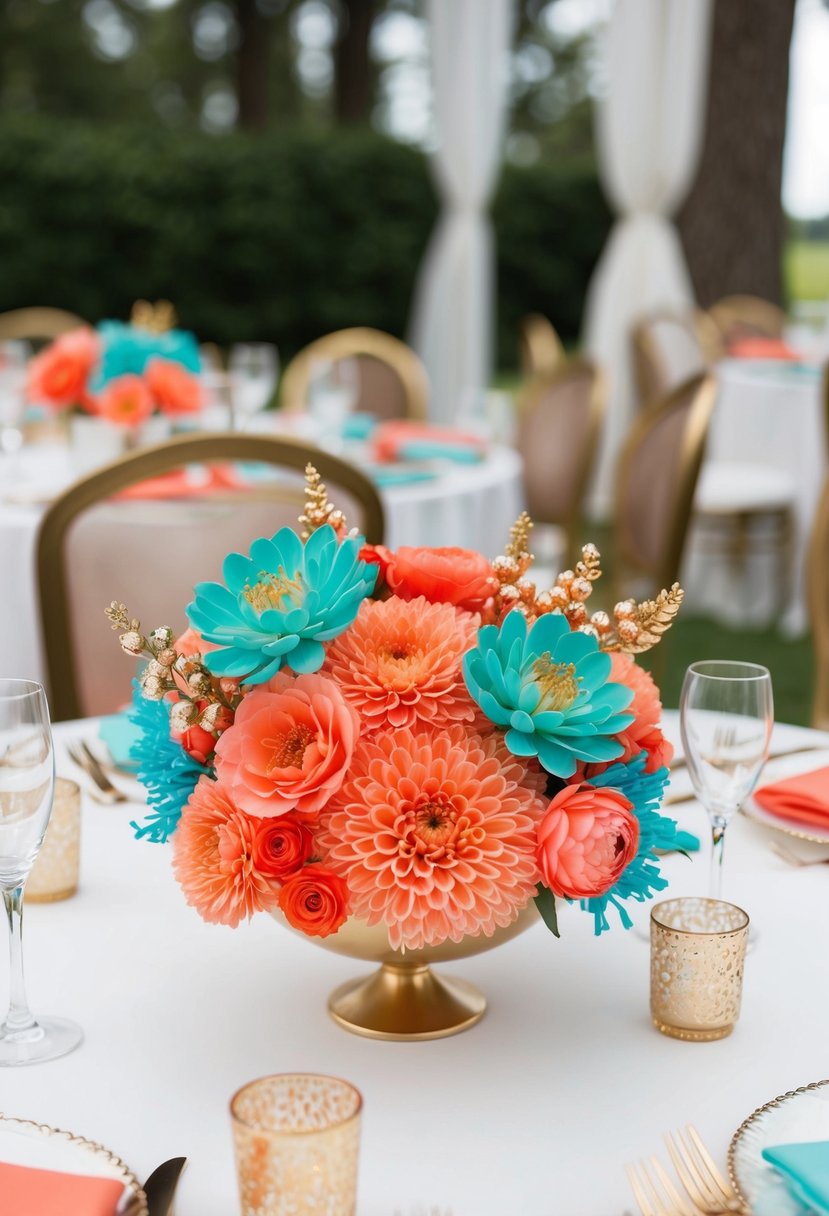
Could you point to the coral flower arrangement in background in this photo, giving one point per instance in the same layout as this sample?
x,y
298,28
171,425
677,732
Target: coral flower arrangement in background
x,y
121,372
418,739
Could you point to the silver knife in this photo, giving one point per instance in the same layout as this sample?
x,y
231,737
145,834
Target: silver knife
x,y
160,1187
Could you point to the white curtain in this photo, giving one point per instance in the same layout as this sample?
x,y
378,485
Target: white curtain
x,y
452,326
649,135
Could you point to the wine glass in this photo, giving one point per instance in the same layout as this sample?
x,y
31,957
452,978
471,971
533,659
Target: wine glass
x,y
27,777
254,371
13,359
726,715
333,394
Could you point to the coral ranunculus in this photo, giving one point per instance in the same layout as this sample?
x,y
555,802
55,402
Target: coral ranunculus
x,y
126,401
315,900
59,374
435,835
445,576
281,846
213,858
290,745
586,840
176,390
400,664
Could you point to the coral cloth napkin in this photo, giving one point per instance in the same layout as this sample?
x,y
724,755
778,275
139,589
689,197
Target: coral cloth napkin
x,y
179,484
35,1192
420,441
801,799
805,1168
762,348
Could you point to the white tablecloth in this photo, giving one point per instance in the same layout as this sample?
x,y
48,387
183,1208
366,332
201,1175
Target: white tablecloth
x,y
531,1113
768,413
472,506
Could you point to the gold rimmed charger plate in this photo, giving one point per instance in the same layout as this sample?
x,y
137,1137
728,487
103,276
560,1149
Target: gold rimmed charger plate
x,y
84,1156
755,1180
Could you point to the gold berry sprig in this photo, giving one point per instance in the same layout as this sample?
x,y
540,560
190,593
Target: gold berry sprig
x,y
318,510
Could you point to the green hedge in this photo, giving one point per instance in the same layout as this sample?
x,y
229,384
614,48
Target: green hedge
x,y
275,237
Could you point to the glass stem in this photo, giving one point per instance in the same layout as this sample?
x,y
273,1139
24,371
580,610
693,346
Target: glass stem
x,y
18,1017
718,826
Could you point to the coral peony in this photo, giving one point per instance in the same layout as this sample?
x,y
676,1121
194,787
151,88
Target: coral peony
x,y
400,664
646,708
585,841
175,389
289,747
59,374
126,401
435,834
213,858
444,576
315,900
281,846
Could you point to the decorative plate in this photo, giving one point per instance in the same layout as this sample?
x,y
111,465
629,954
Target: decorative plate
x,y
798,1116
41,1147
778,770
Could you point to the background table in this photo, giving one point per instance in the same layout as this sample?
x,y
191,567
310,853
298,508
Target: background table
x,y
531,1113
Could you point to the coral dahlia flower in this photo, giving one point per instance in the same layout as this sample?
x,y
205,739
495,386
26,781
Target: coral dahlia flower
x,y
400,664
435,834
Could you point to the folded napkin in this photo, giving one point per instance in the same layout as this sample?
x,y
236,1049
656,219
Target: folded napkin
x,y
762,348
800,799
36,1192
805,1168
359,425
119,733
391,476
181,484
400,440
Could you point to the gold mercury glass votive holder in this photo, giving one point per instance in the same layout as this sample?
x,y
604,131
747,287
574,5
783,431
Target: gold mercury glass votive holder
x,y
698,951
296,1138
55,872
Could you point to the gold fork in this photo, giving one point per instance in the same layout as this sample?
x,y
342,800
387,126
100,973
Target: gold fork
x,y
661,1200
84,758
710,1191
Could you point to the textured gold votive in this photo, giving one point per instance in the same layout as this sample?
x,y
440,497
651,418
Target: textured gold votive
x,y
698,950
55,872
297,1138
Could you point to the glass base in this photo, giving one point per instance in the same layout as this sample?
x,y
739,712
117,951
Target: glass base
x,y
48,1039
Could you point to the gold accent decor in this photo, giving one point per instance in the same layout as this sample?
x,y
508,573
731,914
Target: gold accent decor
x,y
405,999
753,1118
54,875
318,510
654,617
156,318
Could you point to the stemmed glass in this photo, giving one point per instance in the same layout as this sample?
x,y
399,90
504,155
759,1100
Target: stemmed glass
x,y
27,777
726,715
254,371
13,357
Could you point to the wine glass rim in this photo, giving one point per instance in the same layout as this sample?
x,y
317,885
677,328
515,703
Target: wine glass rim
x,y
12,689
750,671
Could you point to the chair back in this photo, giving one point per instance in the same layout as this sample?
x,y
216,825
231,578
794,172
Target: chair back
x,y
37,324
738,317
109,538
540,346
656,477
560,416
670,347
391,380
818,604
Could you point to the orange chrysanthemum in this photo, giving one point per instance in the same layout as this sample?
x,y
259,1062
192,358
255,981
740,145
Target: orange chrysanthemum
x,y
213,852
399,664
435,834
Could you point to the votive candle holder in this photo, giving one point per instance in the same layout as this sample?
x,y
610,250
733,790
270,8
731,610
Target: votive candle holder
x,y
55,873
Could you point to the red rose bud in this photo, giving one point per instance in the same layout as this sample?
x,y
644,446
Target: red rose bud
x,y
315,901
281,846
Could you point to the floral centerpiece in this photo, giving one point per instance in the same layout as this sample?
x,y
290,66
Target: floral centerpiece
x,y
123,373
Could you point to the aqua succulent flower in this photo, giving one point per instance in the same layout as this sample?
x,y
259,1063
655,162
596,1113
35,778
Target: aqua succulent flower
x,y
642,878
166,771
280,604
548,689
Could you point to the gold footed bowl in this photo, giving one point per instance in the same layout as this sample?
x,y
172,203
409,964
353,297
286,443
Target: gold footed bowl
x,y
404,999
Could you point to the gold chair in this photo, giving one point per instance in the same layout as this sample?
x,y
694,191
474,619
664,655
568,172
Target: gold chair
x,y
818,605
37,324
94,546
669,347
657,474
541,348
392,380
560,415
738,317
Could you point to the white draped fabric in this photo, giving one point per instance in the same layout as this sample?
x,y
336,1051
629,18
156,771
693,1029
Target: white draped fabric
x,y
649,133
452,324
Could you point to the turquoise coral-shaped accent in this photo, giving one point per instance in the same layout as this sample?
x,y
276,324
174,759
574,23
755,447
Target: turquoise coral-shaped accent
x,y
165,769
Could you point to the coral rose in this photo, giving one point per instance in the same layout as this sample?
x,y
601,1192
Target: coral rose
x,y
126,401
176,390
444,576
59,374
213,858
646,707
289,747
315,900
198,743
281,845
585,841
400,664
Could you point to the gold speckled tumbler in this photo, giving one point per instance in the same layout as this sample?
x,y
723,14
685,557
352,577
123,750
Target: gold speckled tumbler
x,y
55,872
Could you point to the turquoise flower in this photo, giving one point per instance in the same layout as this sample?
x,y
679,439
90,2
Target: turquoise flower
x,y
547,688
166,771
281,603
642,878
127,349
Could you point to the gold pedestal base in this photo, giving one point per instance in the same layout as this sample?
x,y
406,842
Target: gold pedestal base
x,y
406,1001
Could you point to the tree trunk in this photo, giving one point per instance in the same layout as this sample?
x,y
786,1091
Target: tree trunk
x,y
352,67
732,223
252,64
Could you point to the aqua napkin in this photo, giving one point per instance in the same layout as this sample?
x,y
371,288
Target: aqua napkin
x,y
805,1168
400,477
119,734
359,425
426,449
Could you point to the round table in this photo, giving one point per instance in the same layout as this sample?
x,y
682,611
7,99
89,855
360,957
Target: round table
x,y
533,1112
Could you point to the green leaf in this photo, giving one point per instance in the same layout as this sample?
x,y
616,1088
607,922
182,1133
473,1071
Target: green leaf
x,y
545,901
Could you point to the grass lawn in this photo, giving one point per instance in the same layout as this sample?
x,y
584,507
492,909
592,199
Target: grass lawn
x,y
806,270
